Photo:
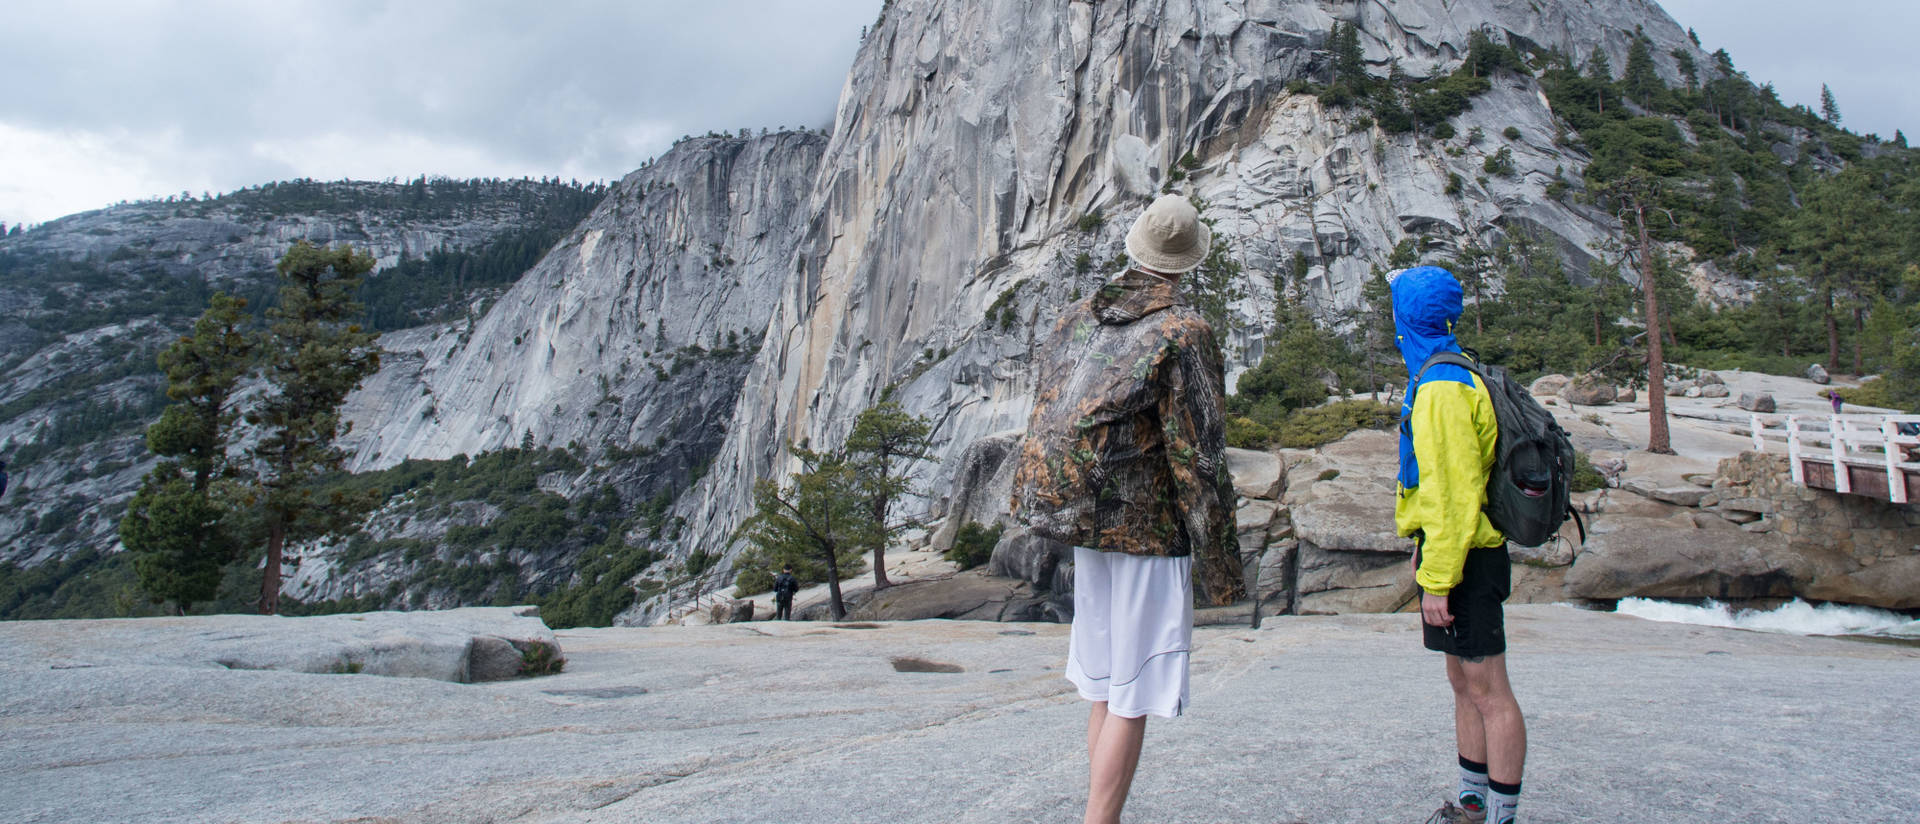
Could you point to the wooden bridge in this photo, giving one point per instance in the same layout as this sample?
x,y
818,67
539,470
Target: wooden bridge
x,y
1873,455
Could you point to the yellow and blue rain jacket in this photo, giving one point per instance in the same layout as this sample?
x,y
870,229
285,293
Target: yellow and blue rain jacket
x,y
1447,433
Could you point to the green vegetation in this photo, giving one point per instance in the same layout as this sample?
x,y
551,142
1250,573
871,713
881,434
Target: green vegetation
x,y
178,524
973,544
1585,477
1313,426
884,443
1004,314
437,287
1399,104
814,522
312,358
838,506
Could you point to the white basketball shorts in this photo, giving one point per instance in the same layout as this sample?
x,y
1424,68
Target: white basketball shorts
x,y
1132,629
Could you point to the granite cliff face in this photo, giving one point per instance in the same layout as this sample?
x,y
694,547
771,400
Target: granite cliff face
x,y
973,138
634,329
87,300
740,295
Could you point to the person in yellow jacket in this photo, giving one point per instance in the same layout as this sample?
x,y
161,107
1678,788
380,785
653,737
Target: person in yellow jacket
x,y
1447,435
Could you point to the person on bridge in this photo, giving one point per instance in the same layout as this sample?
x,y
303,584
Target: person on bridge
x,y
1447,436
1124,460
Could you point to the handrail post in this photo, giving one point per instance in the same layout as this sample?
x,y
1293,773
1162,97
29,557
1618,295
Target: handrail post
x,y
1842,480
1896,479
1794,467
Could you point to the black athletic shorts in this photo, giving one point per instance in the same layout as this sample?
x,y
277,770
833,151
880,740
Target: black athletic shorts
x,y
1479,629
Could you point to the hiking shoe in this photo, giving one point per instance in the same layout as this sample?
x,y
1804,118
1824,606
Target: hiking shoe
x,y
1449,813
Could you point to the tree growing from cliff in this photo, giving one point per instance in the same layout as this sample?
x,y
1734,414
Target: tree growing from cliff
x,y
314,357
1633,193
817,522
885,441
179,531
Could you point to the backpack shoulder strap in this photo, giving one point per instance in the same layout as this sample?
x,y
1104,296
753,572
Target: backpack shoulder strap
x,y
1454,358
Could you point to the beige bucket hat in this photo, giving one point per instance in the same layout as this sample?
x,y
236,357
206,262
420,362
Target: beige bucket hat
x,y
1169,236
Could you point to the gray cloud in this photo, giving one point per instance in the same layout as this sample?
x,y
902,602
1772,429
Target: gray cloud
x,y
271,90
119,100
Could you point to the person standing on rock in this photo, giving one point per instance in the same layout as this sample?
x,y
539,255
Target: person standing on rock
x,y
1447,435
3,477
1124,460
784,586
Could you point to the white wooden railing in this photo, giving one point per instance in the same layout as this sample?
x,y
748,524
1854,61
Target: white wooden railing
x,y
1846,440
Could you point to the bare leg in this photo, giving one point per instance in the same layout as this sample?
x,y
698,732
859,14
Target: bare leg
x,y
1488,698
1095,719
1114,753
1469,732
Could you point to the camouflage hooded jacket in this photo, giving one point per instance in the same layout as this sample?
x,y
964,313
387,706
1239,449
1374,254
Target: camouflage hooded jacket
x,y
1125,450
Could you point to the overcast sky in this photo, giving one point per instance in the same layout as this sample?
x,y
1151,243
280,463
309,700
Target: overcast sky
x,y
107,101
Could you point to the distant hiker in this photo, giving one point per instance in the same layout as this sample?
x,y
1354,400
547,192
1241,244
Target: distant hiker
x,y
1835,398
1447,437
1123,461
784,586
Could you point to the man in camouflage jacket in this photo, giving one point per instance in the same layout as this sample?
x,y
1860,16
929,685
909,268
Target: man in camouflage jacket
x,y
1124,461
1125,448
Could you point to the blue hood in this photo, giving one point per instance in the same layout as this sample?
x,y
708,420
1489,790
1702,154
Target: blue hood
x,y
1426,304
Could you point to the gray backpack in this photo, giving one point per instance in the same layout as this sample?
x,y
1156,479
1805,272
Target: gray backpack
x,y
1529,491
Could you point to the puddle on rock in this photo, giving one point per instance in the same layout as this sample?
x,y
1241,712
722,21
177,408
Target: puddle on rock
x,y
907,664
599,692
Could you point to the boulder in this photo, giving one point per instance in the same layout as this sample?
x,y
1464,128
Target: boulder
x,y
1649,558
1692,392
1588,390
982,484
1350,523
1818,374
972,595
1687,496
493,659
1342,582
1023,556
1756,402
1549,384
1712,390
1677,389
460,645
1708,379
1253,518
1256,473
1625,394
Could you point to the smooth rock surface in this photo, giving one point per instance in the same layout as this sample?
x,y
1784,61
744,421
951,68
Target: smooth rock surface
x,y
1318,719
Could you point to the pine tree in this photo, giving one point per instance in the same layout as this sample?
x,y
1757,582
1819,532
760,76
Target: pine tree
x,y
885,441
314,357
1829,109
1688,69
177,527
1641,81
815,522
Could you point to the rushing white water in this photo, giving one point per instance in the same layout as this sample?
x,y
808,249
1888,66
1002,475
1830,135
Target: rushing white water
x,y
1795,617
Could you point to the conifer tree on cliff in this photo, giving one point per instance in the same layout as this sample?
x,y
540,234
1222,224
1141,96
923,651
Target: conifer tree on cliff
x,y
178,528
818,522
885,440
313,357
